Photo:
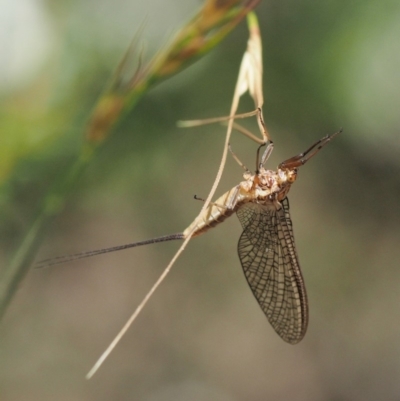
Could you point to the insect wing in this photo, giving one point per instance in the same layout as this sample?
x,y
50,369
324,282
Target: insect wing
x,y
269,259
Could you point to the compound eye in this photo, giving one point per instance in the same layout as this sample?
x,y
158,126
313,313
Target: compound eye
x,y
292,176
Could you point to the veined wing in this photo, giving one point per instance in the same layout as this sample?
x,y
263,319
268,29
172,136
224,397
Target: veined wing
x,y
269,259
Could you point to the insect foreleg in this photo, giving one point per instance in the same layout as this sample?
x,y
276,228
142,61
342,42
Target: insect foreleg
x,y
302,158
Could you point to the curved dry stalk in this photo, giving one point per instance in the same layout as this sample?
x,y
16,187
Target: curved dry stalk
x,y
213,22
249,79
137,311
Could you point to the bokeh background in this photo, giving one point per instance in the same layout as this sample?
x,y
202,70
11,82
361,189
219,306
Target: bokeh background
x,y
202,337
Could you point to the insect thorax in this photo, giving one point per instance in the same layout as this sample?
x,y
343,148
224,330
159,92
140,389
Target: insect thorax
x,y
268,185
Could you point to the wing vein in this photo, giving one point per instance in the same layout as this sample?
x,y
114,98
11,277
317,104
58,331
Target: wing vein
x,y
269,260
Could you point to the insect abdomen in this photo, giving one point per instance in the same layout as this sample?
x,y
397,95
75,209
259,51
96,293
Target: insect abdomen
x,y
216,212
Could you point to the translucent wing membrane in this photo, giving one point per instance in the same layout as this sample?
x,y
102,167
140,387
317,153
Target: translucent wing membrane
x,y
268,256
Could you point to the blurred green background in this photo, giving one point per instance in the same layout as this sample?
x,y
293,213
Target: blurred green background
x,y
202,337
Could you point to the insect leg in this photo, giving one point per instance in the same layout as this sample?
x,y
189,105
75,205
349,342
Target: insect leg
x,y
196,123
223,208
262,126
237,159
302,158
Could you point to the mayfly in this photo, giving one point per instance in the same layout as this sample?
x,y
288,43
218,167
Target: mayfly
x,y
266,248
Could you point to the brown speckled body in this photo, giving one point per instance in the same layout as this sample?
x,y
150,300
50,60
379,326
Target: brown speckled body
x,y
268,187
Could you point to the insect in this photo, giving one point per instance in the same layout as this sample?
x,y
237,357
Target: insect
x,y
266,248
